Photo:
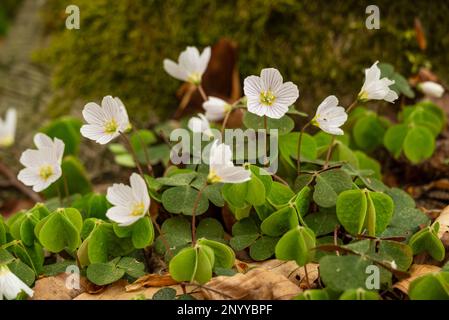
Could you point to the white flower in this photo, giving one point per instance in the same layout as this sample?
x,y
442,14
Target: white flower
x,y
105,123
431,89
191,65
216,108
11,285
376,88
42,166
268,95
330,116
130,202
8,128
221,167
200,124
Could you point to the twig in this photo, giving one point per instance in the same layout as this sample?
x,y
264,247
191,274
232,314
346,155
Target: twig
x,y
307,276
11,177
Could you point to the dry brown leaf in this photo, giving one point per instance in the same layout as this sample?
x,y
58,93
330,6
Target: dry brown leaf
x,y
151,280
416,271
117,291
257,284
54,288
443,219
288,269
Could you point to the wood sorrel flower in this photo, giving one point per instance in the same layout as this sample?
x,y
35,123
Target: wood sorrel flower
x,y
42,166
130,203
221,167
268,96
330,116
200,124
8,128
376,88
11,285
216,108
431,89
105,123
191,65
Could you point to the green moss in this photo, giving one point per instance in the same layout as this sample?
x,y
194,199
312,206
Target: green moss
x,y
321,47
8,9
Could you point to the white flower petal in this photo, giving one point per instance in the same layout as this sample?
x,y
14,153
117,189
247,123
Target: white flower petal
x,y
93,114
140,190
287,94
174,70
42,141
271,79
234,174
29,176
254,106
252,87
31,158
391,96
11,285
215,108
431,89
92,132
276,111
120,195
121,215
204,60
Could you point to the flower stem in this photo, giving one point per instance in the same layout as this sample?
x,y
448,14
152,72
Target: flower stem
x,y
195,207
161,234
298,155
133,153
11,177
351,106
145,151
225,121
201,90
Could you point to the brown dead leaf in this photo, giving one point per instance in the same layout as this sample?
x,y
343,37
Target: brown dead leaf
x,y
291,271
420,35
416,271
257,284
443,219
54,288
117,291
151,280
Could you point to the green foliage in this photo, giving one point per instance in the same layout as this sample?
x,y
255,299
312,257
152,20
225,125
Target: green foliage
x,y
427,240
430,287
361,209
415,135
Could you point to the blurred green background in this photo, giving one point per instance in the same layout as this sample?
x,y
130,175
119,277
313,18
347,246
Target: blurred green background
x,y
323,46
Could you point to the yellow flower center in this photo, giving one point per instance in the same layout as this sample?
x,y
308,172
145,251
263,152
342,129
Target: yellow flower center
x,y
267,98
111,127
138,209
213,177
363,96
194,78
45,172
6,141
